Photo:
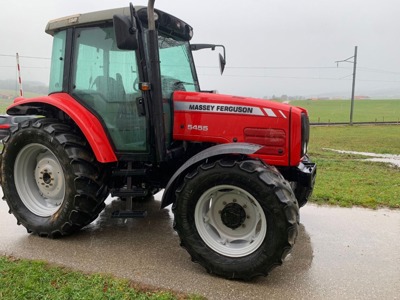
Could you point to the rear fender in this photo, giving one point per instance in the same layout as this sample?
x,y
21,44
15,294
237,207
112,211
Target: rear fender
x,y
218,150
88,123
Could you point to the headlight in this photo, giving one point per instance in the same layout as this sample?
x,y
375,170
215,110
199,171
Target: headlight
x,y
305,133
305,149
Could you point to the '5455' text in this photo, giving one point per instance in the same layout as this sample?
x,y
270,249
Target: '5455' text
x,y
197,127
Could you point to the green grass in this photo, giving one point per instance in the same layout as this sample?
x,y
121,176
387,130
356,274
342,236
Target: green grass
x,y
347,180
325,111
25,280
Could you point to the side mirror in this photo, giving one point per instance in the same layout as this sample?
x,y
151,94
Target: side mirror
x,y
222,63
222,58
125,32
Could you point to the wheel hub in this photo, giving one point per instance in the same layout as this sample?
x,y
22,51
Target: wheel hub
x,y
233,215
49,177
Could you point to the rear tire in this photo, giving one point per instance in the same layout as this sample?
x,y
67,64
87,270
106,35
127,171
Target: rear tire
x,y
238,219
51,180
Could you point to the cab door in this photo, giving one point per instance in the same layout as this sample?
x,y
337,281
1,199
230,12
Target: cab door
x,y
104,79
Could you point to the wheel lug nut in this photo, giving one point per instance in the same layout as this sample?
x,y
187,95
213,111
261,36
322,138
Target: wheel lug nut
x,y
243,225
224,203
245,206
234,200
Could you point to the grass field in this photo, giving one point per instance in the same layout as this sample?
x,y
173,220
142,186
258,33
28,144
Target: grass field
x,y
5,102
324,111
348,180
24,279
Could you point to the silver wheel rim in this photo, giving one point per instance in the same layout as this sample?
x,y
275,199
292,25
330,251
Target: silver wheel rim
x,y
219,225
39,180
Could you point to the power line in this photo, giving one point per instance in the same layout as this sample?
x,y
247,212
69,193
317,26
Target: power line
x,y
252,68
249,67
31,57
304,68
281,68
269,68
300,78
288,77
25,67
377,80
378,70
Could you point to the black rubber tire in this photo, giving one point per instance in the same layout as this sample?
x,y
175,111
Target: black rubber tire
x,y
85,190
273,194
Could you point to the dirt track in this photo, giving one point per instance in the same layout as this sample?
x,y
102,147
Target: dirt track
x,y
339,254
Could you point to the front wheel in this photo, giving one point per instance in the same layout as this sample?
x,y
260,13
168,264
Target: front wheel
x,y
51,181
238,219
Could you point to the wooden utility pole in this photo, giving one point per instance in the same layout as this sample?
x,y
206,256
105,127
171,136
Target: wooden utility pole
x,y
354,62
353,87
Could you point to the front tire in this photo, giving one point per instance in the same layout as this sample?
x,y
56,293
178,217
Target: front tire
x,y
238,219
51,181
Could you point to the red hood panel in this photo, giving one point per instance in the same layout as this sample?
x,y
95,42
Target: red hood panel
x,y
215,118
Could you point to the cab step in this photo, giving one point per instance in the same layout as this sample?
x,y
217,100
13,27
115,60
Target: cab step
x,y
129,214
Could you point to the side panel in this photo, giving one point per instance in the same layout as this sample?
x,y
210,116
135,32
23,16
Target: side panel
x,y
86,121
221,119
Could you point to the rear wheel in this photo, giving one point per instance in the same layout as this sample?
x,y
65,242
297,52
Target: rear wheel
x,y
50,178
237,219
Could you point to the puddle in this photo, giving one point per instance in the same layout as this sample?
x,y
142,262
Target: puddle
x,y
392,159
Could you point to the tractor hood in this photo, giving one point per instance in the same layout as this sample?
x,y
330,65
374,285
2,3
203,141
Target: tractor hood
x,y
219,119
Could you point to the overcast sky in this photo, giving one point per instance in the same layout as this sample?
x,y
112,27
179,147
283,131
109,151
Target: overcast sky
x,y
274,47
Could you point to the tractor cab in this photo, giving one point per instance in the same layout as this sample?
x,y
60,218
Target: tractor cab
x,y
113,83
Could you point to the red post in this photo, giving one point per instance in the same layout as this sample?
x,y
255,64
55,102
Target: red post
x,y
19,77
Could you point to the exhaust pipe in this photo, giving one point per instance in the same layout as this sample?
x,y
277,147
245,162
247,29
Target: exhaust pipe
x,y
150,15
156,105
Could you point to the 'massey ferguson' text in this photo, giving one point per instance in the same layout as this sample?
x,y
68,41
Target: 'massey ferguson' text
x,y
221,108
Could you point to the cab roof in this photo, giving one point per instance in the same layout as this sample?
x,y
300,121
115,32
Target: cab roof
x,y
87,18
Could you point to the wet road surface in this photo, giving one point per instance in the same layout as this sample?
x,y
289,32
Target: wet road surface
x,y
339,254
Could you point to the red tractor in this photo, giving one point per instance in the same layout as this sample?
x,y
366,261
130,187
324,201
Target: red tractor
x,y
125,116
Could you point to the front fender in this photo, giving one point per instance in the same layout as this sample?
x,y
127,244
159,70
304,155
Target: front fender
x,y
223,149
84,119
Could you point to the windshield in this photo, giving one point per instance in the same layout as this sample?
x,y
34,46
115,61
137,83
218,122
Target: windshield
x,y
177,67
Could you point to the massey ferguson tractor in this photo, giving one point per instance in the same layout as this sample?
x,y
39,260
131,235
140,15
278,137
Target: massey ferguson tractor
x,y
125,116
